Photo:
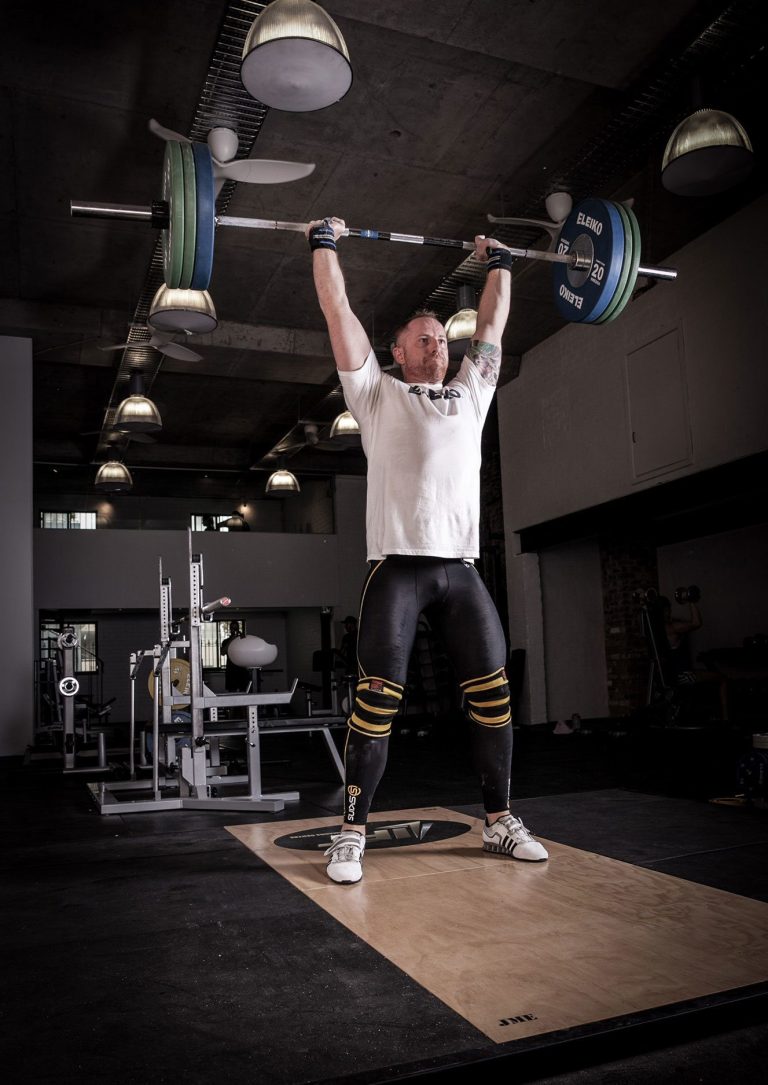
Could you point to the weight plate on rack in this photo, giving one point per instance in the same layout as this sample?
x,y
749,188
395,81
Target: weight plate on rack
x,y
593,228
173,194
629,289
625,268
206,217
190,214
180,680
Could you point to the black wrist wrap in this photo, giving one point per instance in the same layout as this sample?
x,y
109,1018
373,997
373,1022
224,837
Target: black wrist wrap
x,y
499,260
321,237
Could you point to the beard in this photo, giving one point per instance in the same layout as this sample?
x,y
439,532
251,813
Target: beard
x,y
425,370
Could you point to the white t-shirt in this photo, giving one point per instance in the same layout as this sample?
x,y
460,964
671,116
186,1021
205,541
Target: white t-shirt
x,y
423,448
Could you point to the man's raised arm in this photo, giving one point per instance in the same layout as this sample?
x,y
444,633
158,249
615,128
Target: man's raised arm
x,y
348,338
492,312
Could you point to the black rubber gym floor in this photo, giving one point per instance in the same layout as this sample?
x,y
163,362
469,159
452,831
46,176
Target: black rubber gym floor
x,y
156,948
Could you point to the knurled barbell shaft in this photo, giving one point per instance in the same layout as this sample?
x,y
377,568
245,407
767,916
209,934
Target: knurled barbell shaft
x,y
82,209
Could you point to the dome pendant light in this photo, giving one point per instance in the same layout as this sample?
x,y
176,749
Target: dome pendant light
x,y
344,426
282,482
707,153
183,310
137,413
461,327
295,58
113,477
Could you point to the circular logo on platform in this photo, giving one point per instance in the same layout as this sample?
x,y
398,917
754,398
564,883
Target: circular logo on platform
x,y
380,834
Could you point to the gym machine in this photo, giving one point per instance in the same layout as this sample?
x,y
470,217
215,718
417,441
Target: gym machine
x,y
68,711
200,778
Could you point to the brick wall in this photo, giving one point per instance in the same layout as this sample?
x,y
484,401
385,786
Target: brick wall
x,y
627,564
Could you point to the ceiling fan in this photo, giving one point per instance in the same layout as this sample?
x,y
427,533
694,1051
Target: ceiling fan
x,y
223,144
306,434
313,435
113,431
162,343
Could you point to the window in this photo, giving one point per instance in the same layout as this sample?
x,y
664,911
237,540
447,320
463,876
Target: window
x,y
80,520
208,521
211,636
86,658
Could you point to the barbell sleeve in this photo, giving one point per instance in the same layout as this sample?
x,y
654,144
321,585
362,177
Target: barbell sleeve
x,y
90,209
668,273
217,604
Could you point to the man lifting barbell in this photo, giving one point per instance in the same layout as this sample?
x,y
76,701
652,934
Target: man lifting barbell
x,y
678,663
595,267
422,442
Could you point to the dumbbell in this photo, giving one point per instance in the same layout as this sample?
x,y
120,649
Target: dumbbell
x,y
645,595
687,595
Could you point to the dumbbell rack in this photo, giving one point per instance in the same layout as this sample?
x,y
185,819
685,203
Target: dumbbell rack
x,y
193,790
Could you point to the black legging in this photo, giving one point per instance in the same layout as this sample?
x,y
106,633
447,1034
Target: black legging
x,y
460,609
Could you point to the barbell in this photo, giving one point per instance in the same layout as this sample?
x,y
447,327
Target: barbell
x,y
596,263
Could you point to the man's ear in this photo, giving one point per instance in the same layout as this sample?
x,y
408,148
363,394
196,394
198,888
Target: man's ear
x,y
398,355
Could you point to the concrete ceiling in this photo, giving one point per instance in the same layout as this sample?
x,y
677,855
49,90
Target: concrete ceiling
x,y
459,108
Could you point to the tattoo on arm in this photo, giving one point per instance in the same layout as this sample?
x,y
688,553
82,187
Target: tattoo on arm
x,y
487,359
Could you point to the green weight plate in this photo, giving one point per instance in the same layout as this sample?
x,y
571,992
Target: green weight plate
x,y
629,289
173,194
625,268
190,215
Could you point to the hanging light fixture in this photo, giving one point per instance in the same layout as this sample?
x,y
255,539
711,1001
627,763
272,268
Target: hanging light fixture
x,y
295,57
344,425
183,310
137,413
113,477
282,482
460,328
707,153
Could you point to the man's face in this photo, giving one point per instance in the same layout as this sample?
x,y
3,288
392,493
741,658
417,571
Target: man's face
x,y
422,351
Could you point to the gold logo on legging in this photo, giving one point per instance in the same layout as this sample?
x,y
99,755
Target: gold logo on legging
x,y
354,790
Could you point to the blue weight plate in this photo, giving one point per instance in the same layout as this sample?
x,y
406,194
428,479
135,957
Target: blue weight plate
x,y
206,217
594,227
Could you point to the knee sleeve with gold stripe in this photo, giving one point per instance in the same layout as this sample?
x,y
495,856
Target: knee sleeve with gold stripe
x,y
486,699
376,705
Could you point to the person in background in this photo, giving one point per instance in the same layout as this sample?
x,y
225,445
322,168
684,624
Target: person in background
x,y
348,646
678,661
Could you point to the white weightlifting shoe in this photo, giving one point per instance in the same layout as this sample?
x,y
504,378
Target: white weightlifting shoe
x,y
345,865
508,836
